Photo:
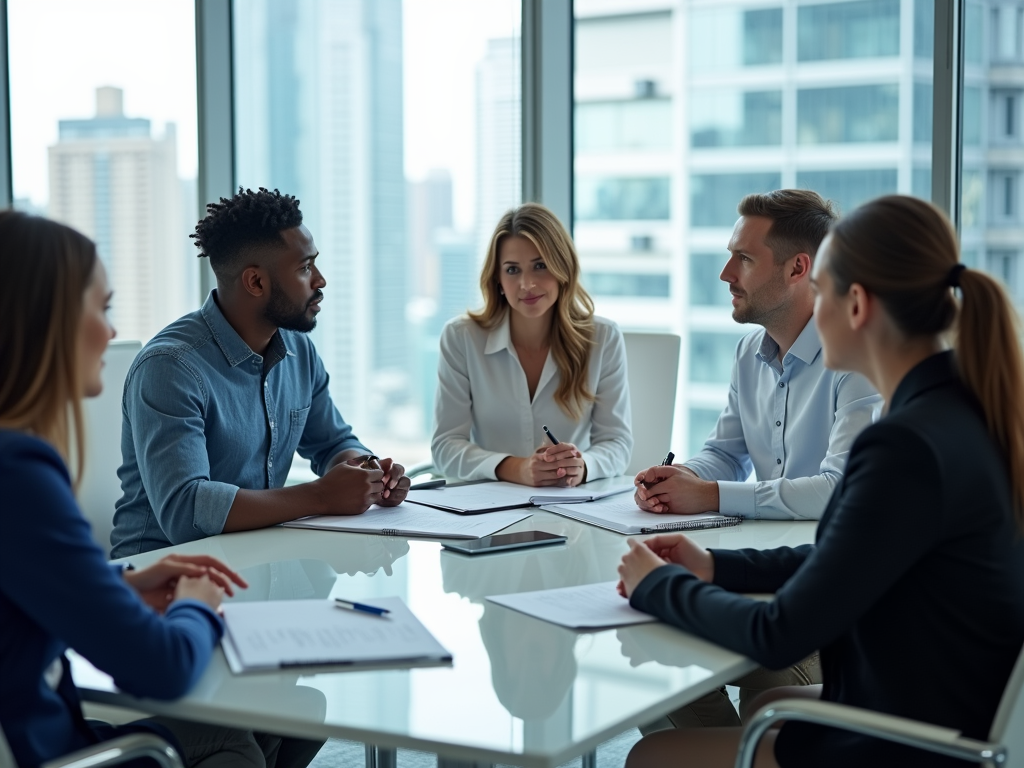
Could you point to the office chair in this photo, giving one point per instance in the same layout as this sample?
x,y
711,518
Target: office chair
x,y
108,753
1005,746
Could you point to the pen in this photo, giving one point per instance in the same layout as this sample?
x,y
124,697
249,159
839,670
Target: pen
x,y
369,461
669,458
428,485
362,607
548,433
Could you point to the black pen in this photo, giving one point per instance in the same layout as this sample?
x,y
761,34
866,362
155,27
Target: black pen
x,y
548,433
669,458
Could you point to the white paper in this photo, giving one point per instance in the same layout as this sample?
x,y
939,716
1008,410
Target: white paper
x,y
282,633
621,514
413,520
591,606
497,495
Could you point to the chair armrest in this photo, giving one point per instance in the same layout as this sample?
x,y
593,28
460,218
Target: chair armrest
x,y
119,750
423,468
933,738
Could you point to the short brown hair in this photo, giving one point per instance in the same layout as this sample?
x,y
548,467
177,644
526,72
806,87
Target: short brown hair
x,y
800,220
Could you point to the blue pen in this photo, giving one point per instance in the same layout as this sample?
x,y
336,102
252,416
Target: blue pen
x,y
548,433
351,605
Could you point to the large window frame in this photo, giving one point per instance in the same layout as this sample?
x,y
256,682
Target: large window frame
x,y
547,130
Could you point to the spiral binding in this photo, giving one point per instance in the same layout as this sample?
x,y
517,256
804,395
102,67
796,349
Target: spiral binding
x,y
390,532
694,525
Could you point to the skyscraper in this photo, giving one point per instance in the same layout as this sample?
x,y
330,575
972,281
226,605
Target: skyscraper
x,y
319,90
112,180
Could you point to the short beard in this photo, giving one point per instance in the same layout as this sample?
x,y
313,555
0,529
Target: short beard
x,y
284,314
757,310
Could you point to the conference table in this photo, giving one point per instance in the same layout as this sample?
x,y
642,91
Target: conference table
x,y
519,690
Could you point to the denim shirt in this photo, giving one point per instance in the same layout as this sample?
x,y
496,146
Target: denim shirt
x,y
203,415
792,421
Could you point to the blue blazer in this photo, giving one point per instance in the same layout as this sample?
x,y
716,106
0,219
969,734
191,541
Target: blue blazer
x,y
58,591
913,590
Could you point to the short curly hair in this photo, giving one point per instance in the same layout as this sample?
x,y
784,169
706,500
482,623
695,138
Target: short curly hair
x,y
247,219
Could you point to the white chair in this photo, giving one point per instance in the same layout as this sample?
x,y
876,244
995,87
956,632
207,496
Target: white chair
x,y
100,488
119,750
653,360
1005,746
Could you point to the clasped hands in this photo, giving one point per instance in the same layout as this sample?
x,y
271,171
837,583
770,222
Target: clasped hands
x,y
675,489
560,464
645,556
177,577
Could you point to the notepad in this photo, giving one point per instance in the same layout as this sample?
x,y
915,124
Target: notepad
x,y
280,634
621,514
476,498
591,606
411,520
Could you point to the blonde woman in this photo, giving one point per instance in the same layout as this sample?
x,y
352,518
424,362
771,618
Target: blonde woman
x,y
534,356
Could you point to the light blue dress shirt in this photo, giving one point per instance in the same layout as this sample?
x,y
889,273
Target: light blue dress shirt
x,y
791,422
203,415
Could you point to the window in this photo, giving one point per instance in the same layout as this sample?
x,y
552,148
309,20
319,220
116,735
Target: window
x,y
849,188
702,423
714,197
848,114
721,117
404,154
923,113
626,284
1005,115
1005,205
104,138
974,32
712,356
639,124
729,38
1004,265
617,199
706,287
924,28
857,30
1006,32
972,116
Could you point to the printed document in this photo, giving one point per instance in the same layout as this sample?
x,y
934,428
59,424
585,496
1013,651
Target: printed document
x,y
591,606
475,498
412,520
277,634
621,514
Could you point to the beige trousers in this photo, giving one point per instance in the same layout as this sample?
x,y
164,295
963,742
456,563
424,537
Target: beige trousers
x,y
715,710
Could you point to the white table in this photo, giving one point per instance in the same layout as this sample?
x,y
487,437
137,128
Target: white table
x,y
519,691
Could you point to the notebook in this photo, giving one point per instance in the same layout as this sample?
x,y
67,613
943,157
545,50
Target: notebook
x,y
621,514
281,634
476,498
411,520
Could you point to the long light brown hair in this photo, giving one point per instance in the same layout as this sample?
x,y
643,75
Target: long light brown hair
x,y
904,250
47,268
572,326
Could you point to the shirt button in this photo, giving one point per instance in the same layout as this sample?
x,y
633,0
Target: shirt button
x,y
265,384
778,461
777,424
782,384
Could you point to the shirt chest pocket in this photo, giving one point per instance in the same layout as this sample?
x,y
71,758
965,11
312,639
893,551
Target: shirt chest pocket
x,y
296,426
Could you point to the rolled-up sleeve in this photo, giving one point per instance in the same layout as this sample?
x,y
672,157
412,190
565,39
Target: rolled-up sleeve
x,y
454,454
168,431
611,434
326,433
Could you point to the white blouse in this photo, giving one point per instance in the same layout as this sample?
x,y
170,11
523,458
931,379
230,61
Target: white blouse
x,y
484,413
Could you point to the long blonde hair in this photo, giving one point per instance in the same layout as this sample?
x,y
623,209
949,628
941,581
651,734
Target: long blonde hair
x,y
572,327
46,269
905,251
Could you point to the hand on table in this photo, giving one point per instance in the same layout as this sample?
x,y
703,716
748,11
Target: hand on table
x,y
396,484
348,488
635,566
643,557
675,489
158,584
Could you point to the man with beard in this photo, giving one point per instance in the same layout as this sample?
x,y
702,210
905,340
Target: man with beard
x,y
789,421
217,403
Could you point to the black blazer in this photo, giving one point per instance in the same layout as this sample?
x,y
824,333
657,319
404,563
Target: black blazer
x,y
913,590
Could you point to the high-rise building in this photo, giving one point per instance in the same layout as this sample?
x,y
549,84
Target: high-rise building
x,y
112,180
498,136
685,106
319,90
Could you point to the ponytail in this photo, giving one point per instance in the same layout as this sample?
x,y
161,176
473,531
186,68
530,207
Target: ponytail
x,y
989,356
905,251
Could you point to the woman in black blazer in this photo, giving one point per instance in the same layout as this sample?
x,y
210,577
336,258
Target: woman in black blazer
x,y
914,587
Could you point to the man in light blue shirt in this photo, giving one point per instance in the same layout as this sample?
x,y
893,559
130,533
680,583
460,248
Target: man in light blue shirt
x,y
788,419
217,403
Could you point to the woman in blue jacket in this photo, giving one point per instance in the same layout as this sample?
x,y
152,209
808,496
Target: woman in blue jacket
x,y
914,587
152,629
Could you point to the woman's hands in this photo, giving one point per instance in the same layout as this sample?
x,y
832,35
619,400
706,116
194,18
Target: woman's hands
x,y
560,464
644,557
176,577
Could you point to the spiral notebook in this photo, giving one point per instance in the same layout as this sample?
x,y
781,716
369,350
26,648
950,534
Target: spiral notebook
x,y
622,515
